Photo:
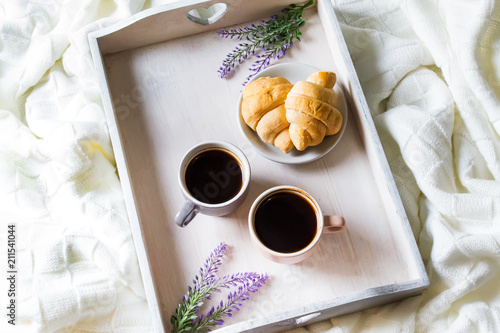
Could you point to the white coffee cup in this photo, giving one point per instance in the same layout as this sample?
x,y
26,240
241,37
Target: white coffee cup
x,y
323,224
219,179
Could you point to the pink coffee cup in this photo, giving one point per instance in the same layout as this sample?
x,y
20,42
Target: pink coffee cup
x,y
286,223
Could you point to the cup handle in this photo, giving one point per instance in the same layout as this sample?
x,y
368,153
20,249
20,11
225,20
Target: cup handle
x,y
333,223
186,214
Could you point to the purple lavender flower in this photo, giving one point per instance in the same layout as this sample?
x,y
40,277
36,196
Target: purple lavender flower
x,y
187,317
211,266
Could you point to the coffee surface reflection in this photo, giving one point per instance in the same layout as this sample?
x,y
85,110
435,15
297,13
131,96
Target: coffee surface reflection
x,y
213,176
285,222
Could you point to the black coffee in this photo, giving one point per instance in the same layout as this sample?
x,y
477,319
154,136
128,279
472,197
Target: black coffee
x,y
285,222
213,176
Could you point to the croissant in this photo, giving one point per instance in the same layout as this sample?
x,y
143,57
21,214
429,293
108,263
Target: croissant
x,y
311,110
262,108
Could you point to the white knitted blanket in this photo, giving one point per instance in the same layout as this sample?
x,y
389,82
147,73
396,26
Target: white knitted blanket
x,y
431,74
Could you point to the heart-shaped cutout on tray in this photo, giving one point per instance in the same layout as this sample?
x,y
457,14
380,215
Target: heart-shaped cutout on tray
x,y
206,16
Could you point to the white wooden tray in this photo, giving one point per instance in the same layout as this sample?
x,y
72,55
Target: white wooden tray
x,y
162,95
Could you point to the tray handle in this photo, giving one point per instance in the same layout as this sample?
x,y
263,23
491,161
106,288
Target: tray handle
x,y
207,15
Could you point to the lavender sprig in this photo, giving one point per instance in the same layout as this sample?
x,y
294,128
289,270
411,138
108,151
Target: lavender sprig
x,y
234,301
211,266
187,317
274,37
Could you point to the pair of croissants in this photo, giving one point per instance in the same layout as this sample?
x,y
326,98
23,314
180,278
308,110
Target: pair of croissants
x,y
288,116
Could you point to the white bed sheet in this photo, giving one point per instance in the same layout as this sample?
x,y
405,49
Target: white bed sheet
x,y
430,72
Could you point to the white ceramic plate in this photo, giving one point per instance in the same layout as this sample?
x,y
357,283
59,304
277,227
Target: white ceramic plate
x,y
293,72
